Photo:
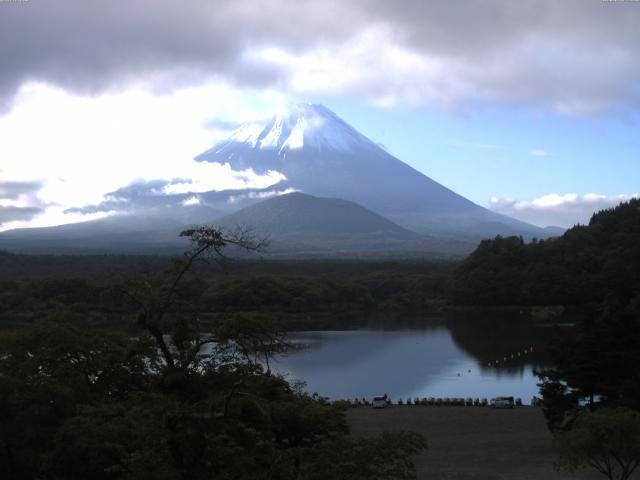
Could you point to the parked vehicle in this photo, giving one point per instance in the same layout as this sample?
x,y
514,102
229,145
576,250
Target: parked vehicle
x,y
502,402
379,402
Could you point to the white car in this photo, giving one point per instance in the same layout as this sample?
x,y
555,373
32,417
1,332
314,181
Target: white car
x,y
502,402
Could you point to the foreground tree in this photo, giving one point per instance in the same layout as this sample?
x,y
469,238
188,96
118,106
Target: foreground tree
x,y
77,405
49,373
607,440
167,309
594,366
172,402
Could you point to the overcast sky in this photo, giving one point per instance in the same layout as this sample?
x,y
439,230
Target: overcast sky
x,y
528,107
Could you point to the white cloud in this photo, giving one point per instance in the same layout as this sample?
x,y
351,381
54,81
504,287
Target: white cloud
x,y
77,149
204,177
190,201
372,63
560,210
538,152
260,195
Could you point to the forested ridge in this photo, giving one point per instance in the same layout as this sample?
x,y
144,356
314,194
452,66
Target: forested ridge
x,y
586,265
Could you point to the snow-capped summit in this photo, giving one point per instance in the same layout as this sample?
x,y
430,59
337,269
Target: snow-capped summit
x,y
320,154
308,126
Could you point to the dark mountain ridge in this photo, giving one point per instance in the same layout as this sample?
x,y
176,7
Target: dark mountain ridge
x,y
300,214
297,224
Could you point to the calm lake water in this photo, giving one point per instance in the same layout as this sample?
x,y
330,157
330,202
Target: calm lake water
x,y
442,361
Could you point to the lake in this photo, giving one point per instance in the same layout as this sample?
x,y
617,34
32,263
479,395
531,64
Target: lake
x,y
441,361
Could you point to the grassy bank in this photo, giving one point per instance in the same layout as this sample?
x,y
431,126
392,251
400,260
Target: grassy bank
x,y
471,443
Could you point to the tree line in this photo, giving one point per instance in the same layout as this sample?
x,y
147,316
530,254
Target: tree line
x,y
585,266
303,295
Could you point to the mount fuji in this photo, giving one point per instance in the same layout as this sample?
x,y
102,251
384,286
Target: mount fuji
x,y
322,155
324,161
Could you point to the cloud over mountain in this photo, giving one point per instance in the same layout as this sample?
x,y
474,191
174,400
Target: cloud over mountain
x,y
573,56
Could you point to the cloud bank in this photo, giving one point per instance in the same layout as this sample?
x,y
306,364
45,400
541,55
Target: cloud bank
x,y
19,201
60,151
558,210
572,56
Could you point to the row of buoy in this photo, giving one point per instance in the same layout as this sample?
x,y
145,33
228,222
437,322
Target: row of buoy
x,y
513,356
438,401
457,402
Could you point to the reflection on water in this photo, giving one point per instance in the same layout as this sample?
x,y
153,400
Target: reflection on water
x,y
443,361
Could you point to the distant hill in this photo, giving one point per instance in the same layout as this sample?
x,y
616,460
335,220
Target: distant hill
x,y
297,214
303,225
586,265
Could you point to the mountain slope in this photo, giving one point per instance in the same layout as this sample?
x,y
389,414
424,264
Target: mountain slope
x,y
154,231
303,225
322,155
298,214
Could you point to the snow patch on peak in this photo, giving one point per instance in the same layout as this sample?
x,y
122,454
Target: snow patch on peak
x,y
247,134
301,126
295,140
274,135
